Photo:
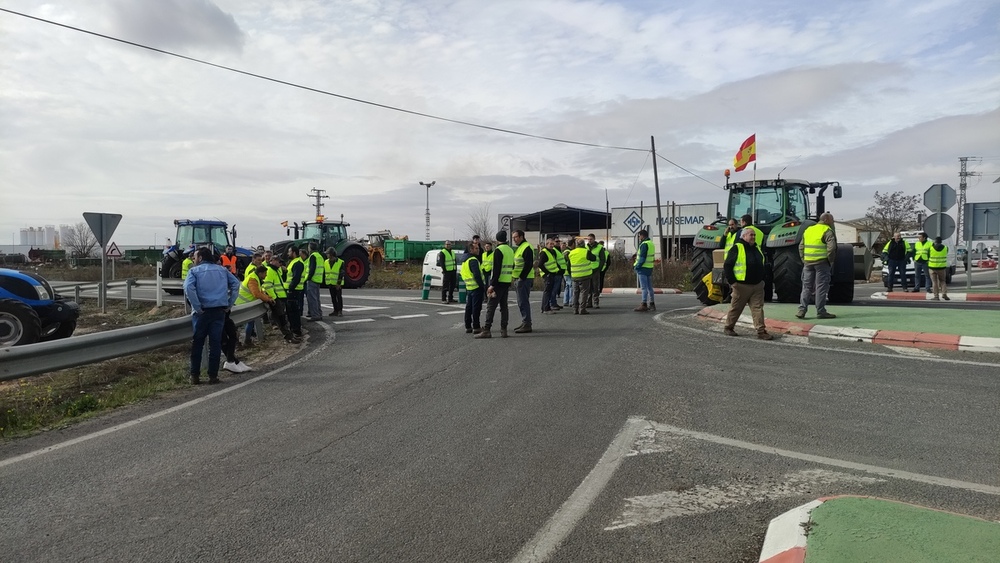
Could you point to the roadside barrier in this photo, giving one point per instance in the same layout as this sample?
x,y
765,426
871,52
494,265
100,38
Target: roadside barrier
x,y
427,288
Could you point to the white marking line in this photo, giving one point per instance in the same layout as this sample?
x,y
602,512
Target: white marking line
x,y
353,321
650,509
408,316
451,312
555,530
906,351
356,308
874,469
331,336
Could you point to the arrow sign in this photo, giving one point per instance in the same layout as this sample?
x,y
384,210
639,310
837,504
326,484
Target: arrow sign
x,y
113,251
103,225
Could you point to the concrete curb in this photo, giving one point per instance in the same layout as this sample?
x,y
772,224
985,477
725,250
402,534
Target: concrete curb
x,y
786,541
921,296
631,291
871,336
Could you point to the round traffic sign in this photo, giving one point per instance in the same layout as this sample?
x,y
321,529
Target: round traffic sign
x,y
947,226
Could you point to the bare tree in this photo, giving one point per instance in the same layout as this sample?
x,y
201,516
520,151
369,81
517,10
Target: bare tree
x,y
80,241
893,212
482,222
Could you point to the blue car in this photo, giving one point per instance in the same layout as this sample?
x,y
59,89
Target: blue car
x,y
31,312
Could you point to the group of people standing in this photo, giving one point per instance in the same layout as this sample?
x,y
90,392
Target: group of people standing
x,y
288,285
489,274
930,263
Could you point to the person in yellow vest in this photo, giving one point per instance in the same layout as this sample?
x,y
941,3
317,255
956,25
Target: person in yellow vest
x,y
600,265
818,250
475,289
557,289
548,265
187,262
645,258
255,261
732,235
250,290
274,286
295,286
566,247
744,269
897,253
486,260
499,285
314,279
580,263
449,273
334,272
937,264
524,277
921,255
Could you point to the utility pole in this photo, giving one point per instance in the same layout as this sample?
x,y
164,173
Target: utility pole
x,y
962,184
427,210
319,195
659,214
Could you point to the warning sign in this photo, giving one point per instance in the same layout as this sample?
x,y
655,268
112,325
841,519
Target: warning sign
x,y
113,251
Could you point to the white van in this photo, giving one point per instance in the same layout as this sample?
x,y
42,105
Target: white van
x,y
433,270
911,237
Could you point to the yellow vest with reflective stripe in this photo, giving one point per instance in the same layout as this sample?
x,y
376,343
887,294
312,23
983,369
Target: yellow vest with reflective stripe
x,y
580,265
185,266
814,249
507,265
650,257
449,259
551,264
318,273
467,277
730,240
332,272
597,258
487,264
273,286
758,235
740,268
519,259
560,258
302,278
245,295
922,250
938,259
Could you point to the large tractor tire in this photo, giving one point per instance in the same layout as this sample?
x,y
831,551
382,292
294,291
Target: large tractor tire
x,y
842,284
701,264
356,267
174,273
64,330
19,324
787,272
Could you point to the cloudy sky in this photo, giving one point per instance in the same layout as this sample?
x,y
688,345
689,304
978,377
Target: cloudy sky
x,y
877,95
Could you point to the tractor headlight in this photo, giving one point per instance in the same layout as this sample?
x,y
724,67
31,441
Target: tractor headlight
x,y
43,295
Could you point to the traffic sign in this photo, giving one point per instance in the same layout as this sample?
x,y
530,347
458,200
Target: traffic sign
x,y
103,225
939,197
113,251
946,222
868,237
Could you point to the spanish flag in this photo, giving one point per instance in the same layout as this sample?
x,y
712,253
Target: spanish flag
x,y
746,154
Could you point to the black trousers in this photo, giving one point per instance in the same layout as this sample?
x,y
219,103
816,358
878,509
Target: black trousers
x,y
449,282
549,288
229,338
279,316
294,310
474,307
337,297
498,300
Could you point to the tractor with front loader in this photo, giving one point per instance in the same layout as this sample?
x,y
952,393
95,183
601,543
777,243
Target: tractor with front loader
x,y
781,210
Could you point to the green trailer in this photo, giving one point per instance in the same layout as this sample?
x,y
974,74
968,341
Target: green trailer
x,y
409,250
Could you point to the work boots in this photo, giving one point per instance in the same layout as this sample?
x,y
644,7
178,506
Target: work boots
x,y
641,308
503,333
523,329
484,334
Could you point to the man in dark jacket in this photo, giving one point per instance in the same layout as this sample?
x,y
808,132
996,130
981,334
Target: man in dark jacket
x,y
745,273
896,254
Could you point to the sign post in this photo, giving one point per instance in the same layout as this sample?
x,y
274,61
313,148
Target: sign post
x,y
114,254
103,225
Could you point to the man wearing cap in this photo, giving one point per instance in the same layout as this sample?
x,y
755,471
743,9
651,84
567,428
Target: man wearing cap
x,y
921,255
818,251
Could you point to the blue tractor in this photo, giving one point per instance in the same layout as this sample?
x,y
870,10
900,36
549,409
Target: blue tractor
x,y
196,234
31,312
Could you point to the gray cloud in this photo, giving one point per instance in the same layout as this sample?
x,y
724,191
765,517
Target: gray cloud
x,y
171,24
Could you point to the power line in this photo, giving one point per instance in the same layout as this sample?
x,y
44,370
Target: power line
x,y
324,92
689,172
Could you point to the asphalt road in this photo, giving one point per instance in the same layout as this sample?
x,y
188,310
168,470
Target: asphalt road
x,y
618,436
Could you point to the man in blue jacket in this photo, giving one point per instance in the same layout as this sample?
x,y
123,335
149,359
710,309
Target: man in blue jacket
x,y
212,290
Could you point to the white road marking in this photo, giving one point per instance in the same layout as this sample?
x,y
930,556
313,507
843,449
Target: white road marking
x,y
354,321
548,538
874,469
408,316
451,312
906,351
331,337
650,509
357,308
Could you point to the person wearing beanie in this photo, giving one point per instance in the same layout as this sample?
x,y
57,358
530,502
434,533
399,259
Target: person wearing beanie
x,y
937,265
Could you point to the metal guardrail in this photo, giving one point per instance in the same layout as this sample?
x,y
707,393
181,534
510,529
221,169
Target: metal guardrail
x,y
128,284
44,357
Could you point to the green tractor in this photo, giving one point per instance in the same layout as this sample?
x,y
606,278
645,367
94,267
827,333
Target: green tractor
x,y
357,266
781,210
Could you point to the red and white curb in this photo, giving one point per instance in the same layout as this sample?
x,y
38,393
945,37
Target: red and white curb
x,y
785,541
631,291
901,338
922,296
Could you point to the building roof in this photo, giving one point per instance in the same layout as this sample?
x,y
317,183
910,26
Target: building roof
x,y
562,218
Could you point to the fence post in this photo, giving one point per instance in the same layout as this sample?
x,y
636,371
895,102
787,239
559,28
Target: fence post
x,y
159,285
427,287
128,293
76,292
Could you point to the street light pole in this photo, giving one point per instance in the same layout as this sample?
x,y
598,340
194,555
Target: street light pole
x,y
427,211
